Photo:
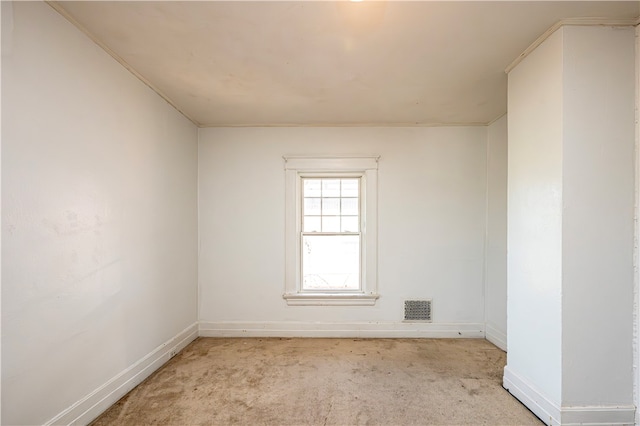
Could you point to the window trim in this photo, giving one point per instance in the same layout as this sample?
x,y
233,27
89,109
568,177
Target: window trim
x,y
297,167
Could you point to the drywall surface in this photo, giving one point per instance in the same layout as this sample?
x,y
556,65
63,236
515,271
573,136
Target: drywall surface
x,y
636,313
571,134
2,23
598,203
534,269
496,245
431,224
98,216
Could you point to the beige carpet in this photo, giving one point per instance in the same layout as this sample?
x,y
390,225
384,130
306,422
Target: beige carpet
x,y
325,381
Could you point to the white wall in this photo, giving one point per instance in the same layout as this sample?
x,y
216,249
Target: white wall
x,y
598,210
534,267
2,23
98,217
496,246
636,312
571,216
431,224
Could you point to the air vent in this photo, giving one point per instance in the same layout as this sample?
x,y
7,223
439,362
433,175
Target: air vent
x,y
417,310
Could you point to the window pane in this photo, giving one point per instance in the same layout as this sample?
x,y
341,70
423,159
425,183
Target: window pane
x,y
350,224
330,187
312,206
312,187
350,187
330,223
331,262
331,206
312,224
349,206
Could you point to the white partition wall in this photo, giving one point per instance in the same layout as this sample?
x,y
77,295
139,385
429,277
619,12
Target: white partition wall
x,y
570,243
534,219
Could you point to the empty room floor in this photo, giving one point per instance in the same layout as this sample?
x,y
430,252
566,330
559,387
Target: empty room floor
x,y
294,381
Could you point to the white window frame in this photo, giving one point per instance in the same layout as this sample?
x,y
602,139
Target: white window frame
x,y
364,167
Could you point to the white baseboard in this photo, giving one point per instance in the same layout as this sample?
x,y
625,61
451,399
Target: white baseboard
x,y
546,410
335,329
495,336
598,416
552,414
92,405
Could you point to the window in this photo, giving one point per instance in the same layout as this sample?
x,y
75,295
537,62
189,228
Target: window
x,y
331,242
330,233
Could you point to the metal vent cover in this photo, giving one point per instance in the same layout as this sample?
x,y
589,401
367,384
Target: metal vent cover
x,y
417,310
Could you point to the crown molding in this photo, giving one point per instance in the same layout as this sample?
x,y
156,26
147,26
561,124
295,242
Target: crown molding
x,y
496,119
588,22
363,124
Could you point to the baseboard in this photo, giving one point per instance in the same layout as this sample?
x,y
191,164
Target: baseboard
x,y
92,405
496,337
598,416
535,401
335,329
552,414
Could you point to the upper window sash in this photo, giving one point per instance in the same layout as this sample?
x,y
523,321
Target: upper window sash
x,y
349,217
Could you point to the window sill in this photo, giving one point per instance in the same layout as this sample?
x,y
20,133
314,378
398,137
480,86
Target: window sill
x,y
330,299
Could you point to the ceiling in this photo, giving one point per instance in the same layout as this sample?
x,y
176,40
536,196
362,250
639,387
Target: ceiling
x,y
240,63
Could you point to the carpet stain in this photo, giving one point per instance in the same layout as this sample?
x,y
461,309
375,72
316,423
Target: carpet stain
x,y
282,381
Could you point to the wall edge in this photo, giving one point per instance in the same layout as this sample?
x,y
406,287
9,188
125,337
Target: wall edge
x,y
497,337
